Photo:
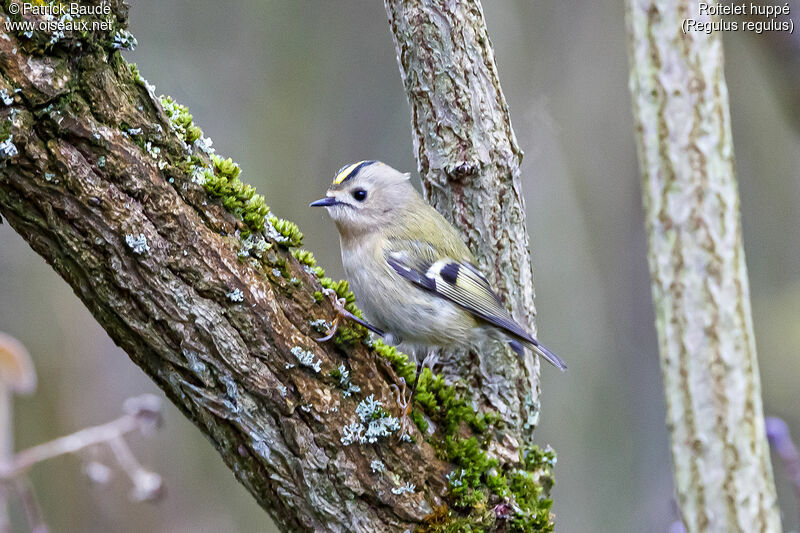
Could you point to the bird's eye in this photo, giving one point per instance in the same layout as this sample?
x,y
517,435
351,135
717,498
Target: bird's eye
x,y
360,195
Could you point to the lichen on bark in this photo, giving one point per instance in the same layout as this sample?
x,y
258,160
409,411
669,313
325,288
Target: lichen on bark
x,y
193,276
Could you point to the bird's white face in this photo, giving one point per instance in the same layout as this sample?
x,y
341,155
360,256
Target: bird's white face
x,y
364,196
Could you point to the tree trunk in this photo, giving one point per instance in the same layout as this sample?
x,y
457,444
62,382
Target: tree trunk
x,y
207,292
469,161
699,278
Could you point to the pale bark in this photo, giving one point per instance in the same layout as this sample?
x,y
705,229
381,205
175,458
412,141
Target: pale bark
x,y
157,261
469,161
699,277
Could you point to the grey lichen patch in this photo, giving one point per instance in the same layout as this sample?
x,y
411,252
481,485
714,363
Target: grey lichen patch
x,y
375,423
124,40
307,358
7,148
137,243
408,488
6,98
236,295
343,375
254,245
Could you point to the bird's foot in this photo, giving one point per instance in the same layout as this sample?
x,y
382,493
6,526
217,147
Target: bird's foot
x,y
431,358
405,400
404,397
341,311
331,330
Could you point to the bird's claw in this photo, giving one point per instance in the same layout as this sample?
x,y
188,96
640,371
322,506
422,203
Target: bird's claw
x,y
331,331
339,306
405,400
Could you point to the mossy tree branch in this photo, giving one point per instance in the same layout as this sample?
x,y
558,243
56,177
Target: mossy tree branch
x,y
699,278
469,161
189,272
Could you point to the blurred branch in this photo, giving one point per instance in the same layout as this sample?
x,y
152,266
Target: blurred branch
x,y
781,441
143,413
30,505
699,278
188,272
6,448
17,375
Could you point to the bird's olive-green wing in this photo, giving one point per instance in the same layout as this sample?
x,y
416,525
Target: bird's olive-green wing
x,y
461,283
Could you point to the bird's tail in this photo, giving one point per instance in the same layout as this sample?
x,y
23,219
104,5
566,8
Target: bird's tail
x,y
542,351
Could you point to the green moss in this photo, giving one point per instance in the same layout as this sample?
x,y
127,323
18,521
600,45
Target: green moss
x,y
478,482
399,361
290,233
534,510
179,116
305,258
445,520
225,167
419,420
5,129
134,70
237,197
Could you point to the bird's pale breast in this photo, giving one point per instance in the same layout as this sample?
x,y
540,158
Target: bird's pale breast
x,y
392,303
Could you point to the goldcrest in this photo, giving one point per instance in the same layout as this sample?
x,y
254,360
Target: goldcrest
x,y
411,273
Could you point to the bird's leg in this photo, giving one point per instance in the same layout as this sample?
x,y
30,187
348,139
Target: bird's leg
x,y
406,403
331,331
339,306
405,398
431,358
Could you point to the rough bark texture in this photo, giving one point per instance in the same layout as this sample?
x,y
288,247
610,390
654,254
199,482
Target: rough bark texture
x,y
228,365
699,278
469,161
172,254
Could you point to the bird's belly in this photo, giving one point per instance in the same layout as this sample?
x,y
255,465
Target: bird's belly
x,y
414,315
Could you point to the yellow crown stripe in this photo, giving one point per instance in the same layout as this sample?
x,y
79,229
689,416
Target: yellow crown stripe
x,y
344,174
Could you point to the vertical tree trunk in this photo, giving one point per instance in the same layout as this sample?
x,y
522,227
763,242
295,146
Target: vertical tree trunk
x,y
699,278
469,161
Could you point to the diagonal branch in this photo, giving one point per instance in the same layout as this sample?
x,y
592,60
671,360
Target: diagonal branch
x,y
205,289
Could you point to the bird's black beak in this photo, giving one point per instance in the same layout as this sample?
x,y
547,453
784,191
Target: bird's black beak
x,y
324,202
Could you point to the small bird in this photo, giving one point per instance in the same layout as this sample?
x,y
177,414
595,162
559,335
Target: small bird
x,y
411,273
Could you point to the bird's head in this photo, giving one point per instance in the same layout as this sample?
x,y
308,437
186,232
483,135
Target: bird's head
x,y
365,196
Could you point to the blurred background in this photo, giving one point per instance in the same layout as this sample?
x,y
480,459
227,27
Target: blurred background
x,y
292,91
